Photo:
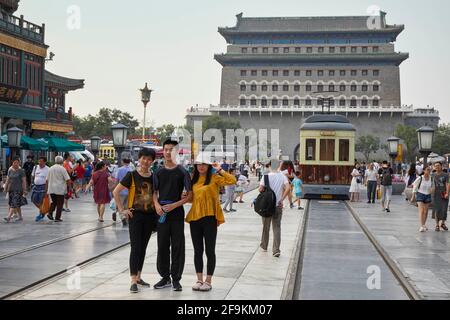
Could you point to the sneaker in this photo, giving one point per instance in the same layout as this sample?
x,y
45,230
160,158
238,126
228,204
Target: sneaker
x,y
263,250
241,202
276,255
67,210
388,210
197,285
143,283
225,210
58,220
369,201
39,218
422,229
114,216
300,208
50,217
18,220
124,222
7,220
163,283
177,286
233,210
134,288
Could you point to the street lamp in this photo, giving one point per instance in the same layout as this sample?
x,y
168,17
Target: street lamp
x,y
145,98
425,136
325,102
120,133
14,140
95,145
393,149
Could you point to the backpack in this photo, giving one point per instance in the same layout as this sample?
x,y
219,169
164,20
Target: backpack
x,y
387,178
266,202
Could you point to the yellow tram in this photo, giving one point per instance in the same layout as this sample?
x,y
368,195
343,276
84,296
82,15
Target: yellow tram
x,y
327,156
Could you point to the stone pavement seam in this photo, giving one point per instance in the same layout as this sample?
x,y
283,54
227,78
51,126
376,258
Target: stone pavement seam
x,y
393,265
291,278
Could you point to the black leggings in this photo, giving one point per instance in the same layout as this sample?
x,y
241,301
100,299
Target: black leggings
x,y
206,229
140,227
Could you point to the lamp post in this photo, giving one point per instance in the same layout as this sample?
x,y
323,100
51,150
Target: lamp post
x,y
325,102
145,98
425,136
14,140
393,149
120,133
95,145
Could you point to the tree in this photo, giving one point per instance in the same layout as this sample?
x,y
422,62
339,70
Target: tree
x,y
441,144
216,122
409,136
164,132
367,145
100,124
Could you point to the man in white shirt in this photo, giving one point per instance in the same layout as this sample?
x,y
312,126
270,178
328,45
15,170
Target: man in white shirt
x,y
39,184
279,184
58,179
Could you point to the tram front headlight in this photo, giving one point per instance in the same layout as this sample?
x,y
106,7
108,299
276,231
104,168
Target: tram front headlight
x,y
326,178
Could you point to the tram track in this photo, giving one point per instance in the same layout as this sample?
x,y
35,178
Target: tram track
x,y
54,276
308,245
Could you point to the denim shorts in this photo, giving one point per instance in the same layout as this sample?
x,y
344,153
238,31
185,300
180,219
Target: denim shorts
x,y
425,198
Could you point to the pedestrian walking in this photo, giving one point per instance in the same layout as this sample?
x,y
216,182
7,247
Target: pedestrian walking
x,y
371,182
410,178
206,215
297,183
58,181
170,182
441,189
242,182
279,184
355,184
100,180
89,168
140,212
287,168
39,185
79,171
68,165
28,166
422,189
16,189
386,173
230,193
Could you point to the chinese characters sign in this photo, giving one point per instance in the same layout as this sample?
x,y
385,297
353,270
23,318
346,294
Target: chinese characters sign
x,y
12,94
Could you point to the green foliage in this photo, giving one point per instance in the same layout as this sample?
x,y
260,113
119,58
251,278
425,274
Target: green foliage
x,y
367,145
101,123
441,144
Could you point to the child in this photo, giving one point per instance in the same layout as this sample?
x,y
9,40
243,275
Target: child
x,y
298,188
229,194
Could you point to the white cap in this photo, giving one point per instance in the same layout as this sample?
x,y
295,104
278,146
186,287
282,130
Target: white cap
x,y
203,158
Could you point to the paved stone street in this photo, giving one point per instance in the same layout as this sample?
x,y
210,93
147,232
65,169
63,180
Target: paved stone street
x,y
423,257
243,270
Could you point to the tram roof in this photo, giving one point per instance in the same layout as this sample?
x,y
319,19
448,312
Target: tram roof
x,y
328,122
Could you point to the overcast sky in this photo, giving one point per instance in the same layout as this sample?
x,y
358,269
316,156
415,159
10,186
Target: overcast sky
x,y
120,45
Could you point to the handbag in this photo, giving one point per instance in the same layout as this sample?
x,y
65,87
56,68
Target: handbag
x,y
23,201
45,206
413,200
378,194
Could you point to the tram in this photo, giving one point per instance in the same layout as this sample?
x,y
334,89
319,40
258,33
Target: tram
x,y
327,156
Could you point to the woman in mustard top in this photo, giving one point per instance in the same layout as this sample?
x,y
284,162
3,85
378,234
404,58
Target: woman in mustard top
x,y
206,215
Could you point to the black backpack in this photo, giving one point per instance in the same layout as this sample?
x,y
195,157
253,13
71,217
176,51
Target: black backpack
x,y
266,202
387,177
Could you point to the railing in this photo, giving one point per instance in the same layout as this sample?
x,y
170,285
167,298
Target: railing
x,y
22,27
314,108
53,115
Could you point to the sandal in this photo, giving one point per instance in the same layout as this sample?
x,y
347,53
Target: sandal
x,y
197,285
205,287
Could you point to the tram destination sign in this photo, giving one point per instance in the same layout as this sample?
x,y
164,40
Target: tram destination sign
x,y
328,133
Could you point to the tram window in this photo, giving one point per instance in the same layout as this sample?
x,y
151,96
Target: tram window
x,y
344,150
310,149
327,150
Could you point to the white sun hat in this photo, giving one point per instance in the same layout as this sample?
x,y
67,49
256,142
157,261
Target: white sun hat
x,y
203,158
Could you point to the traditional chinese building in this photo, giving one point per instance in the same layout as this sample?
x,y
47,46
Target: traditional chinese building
x,y
31,98
277,71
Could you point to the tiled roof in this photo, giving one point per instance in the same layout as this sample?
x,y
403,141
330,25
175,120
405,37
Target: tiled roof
x,y
63,82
